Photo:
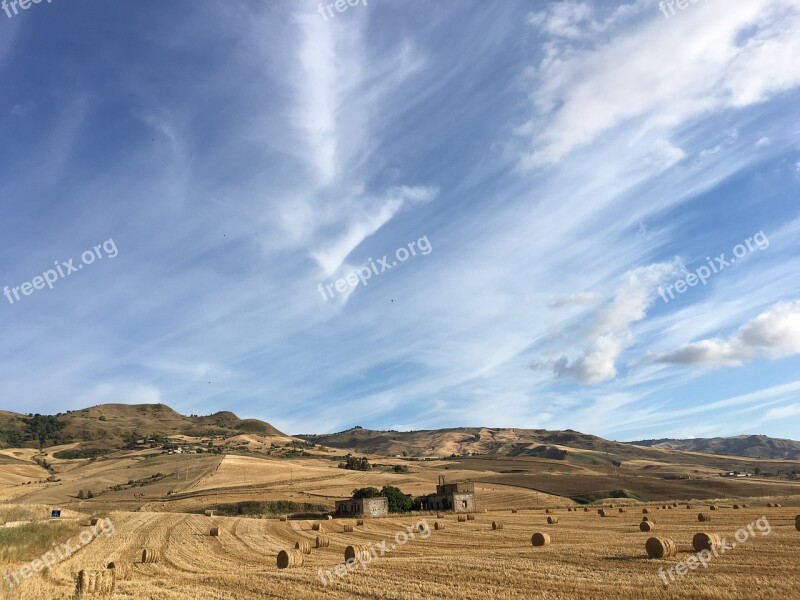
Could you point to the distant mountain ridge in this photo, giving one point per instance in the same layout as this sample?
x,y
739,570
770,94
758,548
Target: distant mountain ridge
x,y
752,446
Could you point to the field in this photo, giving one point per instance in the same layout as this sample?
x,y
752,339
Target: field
x,y
589,557
156,500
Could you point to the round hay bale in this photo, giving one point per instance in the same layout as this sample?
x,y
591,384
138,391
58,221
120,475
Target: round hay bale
x,y
797,524
514,511
540,539
736,507
496,525
470,517
101,582
440,515
602,512
215,532
322,541
552,520
547,511
462,518
316,527
348,529
208,513
646,526
675,504
94,521
648,519
745,506
776,505
688,507
610,506
123,571
150,556
622,510
585,509
290,558
329,518
706,541
660,547
360,522
645,511
669,508
284,519
704,517
713,507
664,507
356,552
438,526
304,546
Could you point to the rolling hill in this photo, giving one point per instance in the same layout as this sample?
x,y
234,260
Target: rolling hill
x,y
753,446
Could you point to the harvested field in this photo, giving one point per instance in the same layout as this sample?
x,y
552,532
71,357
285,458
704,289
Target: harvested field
x,y
603,558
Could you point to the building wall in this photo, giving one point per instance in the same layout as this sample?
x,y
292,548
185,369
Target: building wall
x,y
463,503
363,507
376,507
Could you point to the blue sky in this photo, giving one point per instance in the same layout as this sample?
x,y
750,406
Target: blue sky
x,y
561,162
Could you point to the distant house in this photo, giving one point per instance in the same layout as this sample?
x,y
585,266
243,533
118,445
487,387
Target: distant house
x,y
363,507
458,497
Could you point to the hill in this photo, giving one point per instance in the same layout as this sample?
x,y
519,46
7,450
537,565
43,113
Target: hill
x,y
753,446
110,426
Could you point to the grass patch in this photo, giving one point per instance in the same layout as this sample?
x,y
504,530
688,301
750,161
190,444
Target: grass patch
x,y
26,542
591,497
270,508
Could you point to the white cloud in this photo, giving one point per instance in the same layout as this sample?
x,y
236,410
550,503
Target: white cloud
x,y
581,94
578,299
762,142
772,334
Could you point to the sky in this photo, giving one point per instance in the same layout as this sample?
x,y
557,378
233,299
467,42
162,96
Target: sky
x,y
405,215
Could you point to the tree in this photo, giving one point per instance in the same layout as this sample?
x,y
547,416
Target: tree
x,y
398,501
81,495
757,471
89,494
367,492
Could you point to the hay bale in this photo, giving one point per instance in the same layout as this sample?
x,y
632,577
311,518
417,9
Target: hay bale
x,y
322,541
514,511
704,517
496,525
304,546
96,582
706,541
669,508
547,511
123,571
360,522
736,507
797,524
661,547
290,558
348,529
610,506
440,515
540,539
552,520
713,507
94,521
585,509
622,510
150,556
462,518
745,506
357,552
470,517
646,526
316,527
208,513
284,519
645,511
438,526
602,512
688,507
648,519
214,532
777,505
329,518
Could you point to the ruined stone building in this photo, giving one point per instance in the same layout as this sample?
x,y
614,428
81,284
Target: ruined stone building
x,y
458,497
363,507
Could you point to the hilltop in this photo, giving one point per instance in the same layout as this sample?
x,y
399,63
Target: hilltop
x,y
754,446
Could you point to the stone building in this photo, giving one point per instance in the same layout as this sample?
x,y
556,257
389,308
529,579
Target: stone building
x,y
363,507
458,497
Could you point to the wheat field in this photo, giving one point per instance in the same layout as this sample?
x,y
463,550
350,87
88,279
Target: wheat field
x,y
589,557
